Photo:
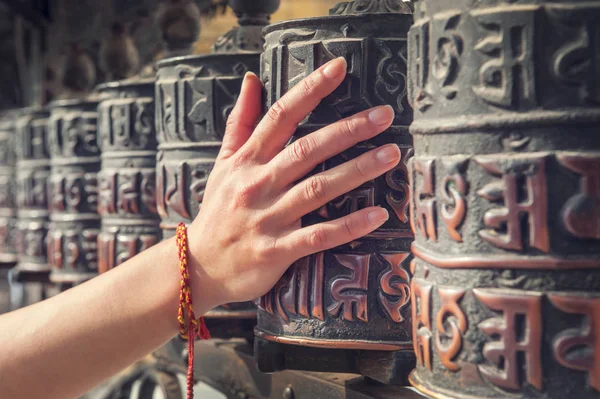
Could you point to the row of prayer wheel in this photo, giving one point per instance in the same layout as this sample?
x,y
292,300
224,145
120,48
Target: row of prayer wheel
x,y
484,283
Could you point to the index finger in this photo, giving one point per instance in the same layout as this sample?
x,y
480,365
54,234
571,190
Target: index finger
x,y
282,119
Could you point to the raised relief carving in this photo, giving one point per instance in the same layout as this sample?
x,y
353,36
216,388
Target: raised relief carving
x,y
578,348
421,321
108,193
391,84
507,78
74,134
453,193
349,295
395,286
418,36
424,203
576,62
449,339
54,249
172,190
31,192
514,354
581,214
106,252
449,48
522,190
398,196
148,191
128,193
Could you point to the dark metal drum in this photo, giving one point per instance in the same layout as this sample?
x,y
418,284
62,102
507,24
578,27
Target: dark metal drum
x,y
506,200
74,219
33,172
349,305
8,214
127,180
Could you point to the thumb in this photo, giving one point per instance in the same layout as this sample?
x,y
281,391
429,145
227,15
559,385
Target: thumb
x,y
243,118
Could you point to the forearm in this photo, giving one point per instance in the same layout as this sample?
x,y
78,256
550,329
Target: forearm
x,y
64,346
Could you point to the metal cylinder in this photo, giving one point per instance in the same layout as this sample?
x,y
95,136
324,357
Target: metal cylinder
x,y
194,96
74,219
349,305
127,180
8,214
505,203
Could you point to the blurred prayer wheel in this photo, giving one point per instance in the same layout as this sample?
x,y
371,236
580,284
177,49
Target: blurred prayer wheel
x,y
33,172
347,307
75,163
506,201
127,180
194,96
8,213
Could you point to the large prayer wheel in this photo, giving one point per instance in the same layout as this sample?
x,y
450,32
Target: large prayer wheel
x,y
194,96
8,213
75,163
127,180
506,200
349,306
33,171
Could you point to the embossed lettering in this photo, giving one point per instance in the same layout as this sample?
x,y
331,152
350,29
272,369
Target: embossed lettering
x,y
148,190
344,290
454,190
522,189
128,197
418,38
108,193
395,286
424,202
507,79
448,50
449,342
421,321
398,197
581,214
578,348
516,348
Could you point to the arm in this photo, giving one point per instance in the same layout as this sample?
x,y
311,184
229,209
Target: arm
x,y
246,235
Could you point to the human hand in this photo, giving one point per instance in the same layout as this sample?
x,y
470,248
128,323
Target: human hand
x,y
249,229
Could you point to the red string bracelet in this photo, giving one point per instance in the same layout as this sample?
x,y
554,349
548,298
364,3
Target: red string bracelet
x,y
196,327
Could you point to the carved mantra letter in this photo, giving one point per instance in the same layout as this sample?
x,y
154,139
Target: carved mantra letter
x,y
454,190
419,65
421,321
569,345
518,331
581,214
458,326
128,195
106,252
508,78
449,48
398,197
359,264
424,220
518,175
108,193
395,283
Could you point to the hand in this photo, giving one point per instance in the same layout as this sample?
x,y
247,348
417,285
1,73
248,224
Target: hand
x,y
249,230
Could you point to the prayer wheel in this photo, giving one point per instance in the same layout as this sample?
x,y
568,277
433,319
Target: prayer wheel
x,y
346,309
8,213
33,171
505,202
127,180
72,246
194,96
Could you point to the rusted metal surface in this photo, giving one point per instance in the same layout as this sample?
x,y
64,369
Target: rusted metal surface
x,y
195,95
505,204
127,180
75,163
355,297
8,213
33,172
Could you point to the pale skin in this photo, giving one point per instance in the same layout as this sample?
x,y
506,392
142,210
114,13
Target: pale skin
x,y
246,235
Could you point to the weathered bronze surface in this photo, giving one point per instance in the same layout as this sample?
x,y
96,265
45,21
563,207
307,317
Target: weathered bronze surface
x,y
8,214
33,171
195,95
75,163
127,180
505,204
356,297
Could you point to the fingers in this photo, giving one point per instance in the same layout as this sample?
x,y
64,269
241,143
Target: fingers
x,y
324,236
316,191
281,121
299,158
243,118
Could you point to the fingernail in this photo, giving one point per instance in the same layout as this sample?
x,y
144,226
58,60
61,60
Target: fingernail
x,y
378,216
249,74
388,154
335,68
382,115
